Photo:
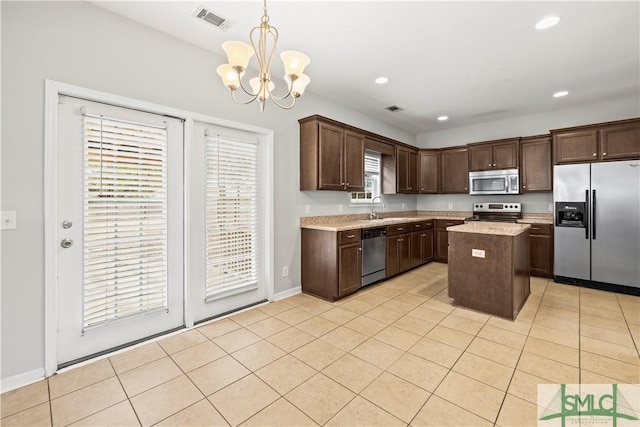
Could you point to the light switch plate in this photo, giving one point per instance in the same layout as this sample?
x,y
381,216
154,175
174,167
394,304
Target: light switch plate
x,y
8,220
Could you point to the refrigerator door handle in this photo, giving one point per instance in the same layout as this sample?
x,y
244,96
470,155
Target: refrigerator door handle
x,y
586,214
593,216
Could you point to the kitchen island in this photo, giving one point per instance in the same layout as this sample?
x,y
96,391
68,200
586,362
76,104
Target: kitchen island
x,y
489,267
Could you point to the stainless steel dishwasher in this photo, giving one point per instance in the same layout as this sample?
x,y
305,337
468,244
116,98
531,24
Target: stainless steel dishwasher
x,y
374,254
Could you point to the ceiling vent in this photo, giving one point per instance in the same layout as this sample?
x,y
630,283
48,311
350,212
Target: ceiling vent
x,y
394,108
212,18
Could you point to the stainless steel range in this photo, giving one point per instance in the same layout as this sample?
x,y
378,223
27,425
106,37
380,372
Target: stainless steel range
x,y
496,212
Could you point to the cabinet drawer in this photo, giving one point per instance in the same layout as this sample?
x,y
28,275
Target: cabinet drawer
x,y
541,229
428,224
348,236
417,226
392,230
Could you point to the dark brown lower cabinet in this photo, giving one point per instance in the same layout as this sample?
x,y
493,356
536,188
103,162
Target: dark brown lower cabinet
x,y
398,254
331,263
442,238
422,245
541,250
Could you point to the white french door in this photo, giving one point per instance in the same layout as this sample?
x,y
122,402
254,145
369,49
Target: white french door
x,y
119,227
228,220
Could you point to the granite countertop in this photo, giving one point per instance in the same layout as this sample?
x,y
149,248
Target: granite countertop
x,y
356,221
496,228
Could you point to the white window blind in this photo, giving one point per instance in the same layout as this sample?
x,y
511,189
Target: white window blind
x,y
232,216
372,181
125,220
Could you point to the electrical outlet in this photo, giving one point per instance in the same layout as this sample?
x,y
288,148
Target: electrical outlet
x,y
403,205
550,207
307,208
340,208
285,271
450,206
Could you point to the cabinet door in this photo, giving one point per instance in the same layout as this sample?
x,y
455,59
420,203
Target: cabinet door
x,y
353,161
416,249
442,245
330,158
426,239
393,265
404,252
541,250
454,171
505,156
442,238
535,166
412,173
428,172
621,142
579,146
480,158
349,269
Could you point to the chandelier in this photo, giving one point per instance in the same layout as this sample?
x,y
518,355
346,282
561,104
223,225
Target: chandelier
x,y
264,39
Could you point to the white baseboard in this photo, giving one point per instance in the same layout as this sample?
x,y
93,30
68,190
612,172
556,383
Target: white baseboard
x,y
288,293
21,380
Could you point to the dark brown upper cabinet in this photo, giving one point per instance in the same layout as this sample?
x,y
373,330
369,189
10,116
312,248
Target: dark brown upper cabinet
x,y
407,170
454,170
331,157
428,172
490,155
535,164
597,143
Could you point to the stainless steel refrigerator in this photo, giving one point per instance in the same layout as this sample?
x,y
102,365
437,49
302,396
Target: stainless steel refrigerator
x,y
597,224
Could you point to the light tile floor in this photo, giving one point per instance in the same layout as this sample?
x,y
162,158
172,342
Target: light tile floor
x,y
397,353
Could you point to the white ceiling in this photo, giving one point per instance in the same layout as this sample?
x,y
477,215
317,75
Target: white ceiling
x,y
472,61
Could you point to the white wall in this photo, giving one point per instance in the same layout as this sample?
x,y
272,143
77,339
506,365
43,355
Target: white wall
x,y
84,45
535,124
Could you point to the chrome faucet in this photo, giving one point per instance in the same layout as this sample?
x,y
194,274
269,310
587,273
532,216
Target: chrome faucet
x,y
372,214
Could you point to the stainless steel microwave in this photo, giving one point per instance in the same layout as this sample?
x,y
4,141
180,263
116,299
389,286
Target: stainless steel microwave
x,y
494,182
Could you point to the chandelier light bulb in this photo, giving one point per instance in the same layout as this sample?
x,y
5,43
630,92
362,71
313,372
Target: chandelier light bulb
x,y
229,76
294,62
299,84
238,53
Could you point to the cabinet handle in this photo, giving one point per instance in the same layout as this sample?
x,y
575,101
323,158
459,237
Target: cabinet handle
x,y
524,186
400,228
400,240
594,154
350,236
604,154
423,235
359,249
347,184
489,164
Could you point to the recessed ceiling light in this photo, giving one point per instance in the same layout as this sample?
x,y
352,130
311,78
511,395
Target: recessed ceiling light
x,y
547,22
560,94
443,118
382,80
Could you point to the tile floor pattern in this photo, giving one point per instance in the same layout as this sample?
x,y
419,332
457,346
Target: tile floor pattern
x,y
397,353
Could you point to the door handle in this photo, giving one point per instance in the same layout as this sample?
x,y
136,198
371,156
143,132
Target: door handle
x,y
586,214
593,216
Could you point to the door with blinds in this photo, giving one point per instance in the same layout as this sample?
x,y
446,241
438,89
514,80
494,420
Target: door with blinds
x,y
227,265
120,227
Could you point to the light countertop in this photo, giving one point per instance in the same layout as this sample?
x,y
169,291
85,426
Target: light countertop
x,y
495,228
359,221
